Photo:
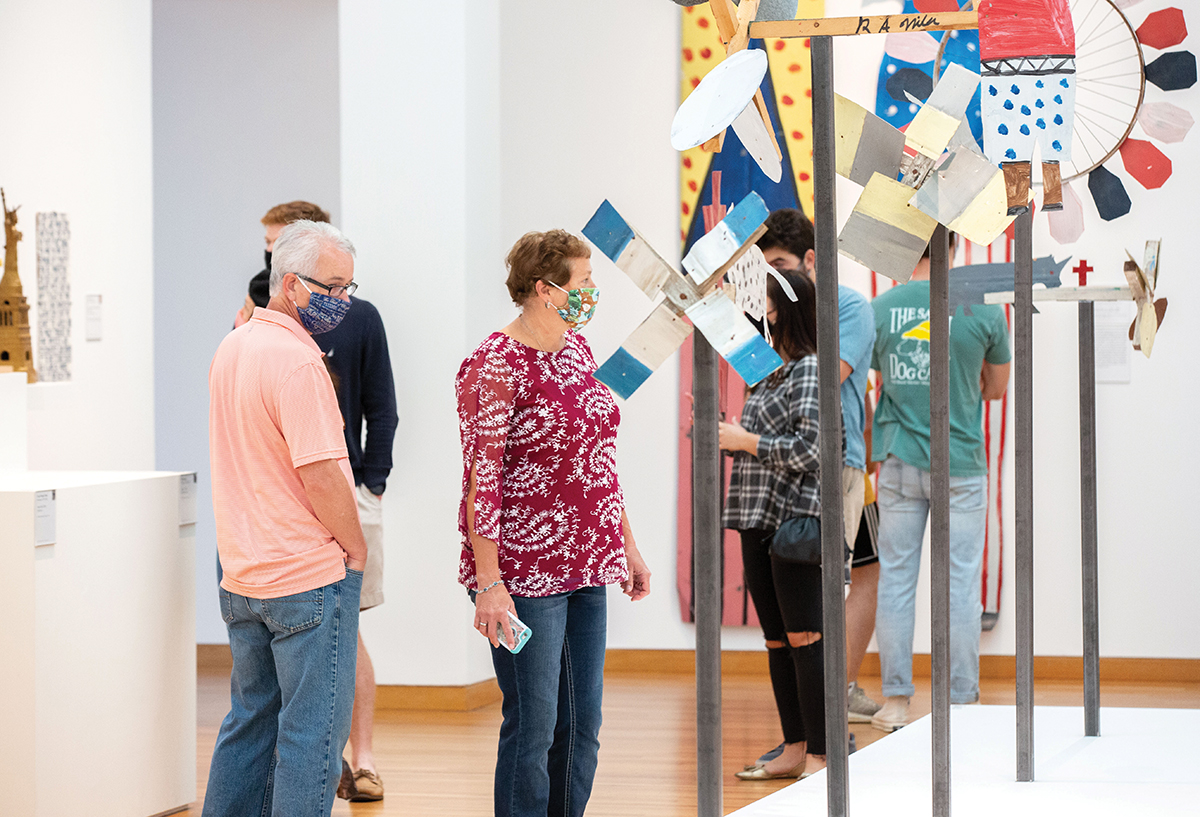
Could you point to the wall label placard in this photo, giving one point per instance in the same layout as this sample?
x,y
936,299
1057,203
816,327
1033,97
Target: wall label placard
x,y
44,518
187,498
93,318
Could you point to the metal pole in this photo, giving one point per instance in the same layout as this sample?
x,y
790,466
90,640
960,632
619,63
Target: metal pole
x,y
1087,501
939,511
833,593
1023,344
707,556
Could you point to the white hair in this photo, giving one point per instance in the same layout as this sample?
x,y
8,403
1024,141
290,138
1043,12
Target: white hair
x,y
299,246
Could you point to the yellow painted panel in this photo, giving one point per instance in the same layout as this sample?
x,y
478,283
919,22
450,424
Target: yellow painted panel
x,y
987,216
791,75
848,118
886,200
930,132
701,52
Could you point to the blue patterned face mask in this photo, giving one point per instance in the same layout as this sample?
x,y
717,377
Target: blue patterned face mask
x,y
581,305
323,313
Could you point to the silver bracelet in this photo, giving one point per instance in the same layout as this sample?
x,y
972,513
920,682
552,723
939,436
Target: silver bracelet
x,y
490,586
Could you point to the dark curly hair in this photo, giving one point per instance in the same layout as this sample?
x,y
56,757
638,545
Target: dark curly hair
x,y
789,229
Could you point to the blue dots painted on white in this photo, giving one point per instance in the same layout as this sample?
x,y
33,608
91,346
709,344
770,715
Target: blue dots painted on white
x,y
1057,145
1058,99
1024,130
1025,110
1041,123
1003,129
1064,83
1010,154
992,90
1040,104
1058,120
1040,84
1008,105
1016,89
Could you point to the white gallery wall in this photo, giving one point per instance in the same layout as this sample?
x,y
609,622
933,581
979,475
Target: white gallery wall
x,y
245,117
525,116
76,140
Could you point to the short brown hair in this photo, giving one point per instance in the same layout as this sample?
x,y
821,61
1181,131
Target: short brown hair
x,y
294,211
542,257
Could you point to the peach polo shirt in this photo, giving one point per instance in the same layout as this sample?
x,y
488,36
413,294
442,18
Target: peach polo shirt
x,y
272,409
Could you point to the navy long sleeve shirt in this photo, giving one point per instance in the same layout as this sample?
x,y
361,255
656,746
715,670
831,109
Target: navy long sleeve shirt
x,y
357,352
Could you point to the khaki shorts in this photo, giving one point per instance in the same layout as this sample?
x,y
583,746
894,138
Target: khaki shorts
x,y
853,494
370,515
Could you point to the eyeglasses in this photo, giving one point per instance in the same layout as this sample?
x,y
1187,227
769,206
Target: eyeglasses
x,y
335,291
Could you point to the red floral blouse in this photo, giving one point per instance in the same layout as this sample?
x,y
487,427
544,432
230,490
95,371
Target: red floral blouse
x,y
542,434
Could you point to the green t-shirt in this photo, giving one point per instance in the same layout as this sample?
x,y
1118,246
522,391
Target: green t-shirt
x,y
901,356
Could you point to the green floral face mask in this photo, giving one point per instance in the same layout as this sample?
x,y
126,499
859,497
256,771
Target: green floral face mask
x,y
581,305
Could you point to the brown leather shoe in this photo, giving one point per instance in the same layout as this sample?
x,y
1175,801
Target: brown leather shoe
x,y
368,787
346,788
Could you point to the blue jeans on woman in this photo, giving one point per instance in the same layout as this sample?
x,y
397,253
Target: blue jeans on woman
x,y
904,492
279,751
552,689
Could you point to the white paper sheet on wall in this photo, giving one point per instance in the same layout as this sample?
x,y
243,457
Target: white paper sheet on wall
x,y
44,518
1113,348
94,318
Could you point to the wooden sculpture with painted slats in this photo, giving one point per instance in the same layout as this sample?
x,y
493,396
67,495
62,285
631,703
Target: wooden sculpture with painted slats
x,y
693,294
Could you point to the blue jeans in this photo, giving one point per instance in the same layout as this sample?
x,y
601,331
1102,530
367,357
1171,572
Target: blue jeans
x,y
553,688
279,751
903,508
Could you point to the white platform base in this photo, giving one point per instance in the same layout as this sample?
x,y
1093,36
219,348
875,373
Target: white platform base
x,y
1147,761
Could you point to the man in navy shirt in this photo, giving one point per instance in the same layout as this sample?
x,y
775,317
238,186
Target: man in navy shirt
x,y
356,354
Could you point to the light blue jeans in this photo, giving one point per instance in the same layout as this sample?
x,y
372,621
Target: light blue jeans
x,y
903,510
279,751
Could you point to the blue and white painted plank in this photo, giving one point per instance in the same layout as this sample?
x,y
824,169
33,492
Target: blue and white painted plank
x,y
626,248
723,241
734,337
643,351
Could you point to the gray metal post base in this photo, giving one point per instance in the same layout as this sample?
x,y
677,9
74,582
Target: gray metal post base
x,y
707,556
1087,501
829,378
1023,449
939,513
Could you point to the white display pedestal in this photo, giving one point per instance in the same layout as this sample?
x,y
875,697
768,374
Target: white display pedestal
x,y
98,675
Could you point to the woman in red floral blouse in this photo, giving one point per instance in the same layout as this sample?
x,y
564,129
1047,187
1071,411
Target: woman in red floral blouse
x,y
543,523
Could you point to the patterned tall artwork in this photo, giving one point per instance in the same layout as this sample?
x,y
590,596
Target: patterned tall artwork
x,y
787,90
54,297
1027,66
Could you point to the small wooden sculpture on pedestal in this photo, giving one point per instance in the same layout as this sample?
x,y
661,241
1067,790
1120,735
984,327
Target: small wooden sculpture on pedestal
x,y
16,346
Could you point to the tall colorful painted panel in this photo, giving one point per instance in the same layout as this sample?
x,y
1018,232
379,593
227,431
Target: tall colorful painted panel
x,y
787,90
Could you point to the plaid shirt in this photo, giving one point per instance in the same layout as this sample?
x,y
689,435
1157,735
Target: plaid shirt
x,y
781,480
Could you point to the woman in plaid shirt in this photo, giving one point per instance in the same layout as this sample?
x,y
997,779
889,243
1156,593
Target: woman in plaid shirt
x,y
775,465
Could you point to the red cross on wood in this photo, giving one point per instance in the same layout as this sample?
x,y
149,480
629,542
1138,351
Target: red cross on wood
x,y
1082,270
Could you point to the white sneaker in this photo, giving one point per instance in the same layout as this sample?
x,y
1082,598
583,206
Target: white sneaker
x,y
861,707
892,715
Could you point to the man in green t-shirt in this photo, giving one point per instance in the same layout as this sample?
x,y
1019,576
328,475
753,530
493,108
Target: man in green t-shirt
x,y
979,368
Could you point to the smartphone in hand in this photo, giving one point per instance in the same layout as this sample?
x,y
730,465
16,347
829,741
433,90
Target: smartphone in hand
x,y
521,634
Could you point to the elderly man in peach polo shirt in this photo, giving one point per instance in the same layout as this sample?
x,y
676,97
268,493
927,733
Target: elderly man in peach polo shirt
x,y
289,539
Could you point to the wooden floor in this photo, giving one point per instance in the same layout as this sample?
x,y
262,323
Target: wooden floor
x,y
440,763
